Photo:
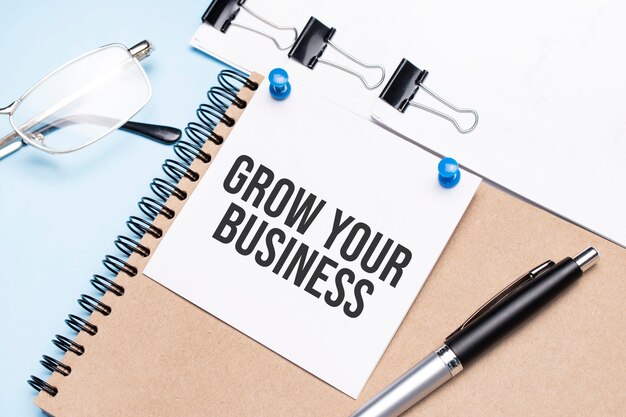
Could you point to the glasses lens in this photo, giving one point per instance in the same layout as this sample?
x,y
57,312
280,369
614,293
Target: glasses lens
x,y
84,100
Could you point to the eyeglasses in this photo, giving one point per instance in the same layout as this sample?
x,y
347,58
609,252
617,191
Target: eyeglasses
x,y
83,101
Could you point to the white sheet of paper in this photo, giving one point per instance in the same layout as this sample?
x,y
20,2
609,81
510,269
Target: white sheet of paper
x,y
371,33
374,33
387,184
250,51
547,79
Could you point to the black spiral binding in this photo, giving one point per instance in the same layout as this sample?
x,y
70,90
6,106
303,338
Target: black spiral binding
x,y
198,133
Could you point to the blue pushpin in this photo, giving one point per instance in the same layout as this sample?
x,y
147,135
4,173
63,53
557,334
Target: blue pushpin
x,y
449,173
279,84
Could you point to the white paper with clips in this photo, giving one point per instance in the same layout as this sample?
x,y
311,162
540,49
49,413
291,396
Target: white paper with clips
x,y
548,80
249,51
373,32
381,180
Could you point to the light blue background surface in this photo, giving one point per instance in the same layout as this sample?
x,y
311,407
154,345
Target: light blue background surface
x,y
59,215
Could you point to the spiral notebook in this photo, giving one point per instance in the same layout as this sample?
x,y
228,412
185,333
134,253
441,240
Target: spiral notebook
x,y
143,350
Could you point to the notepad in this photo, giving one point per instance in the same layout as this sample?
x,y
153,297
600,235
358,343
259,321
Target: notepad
x,y
312,234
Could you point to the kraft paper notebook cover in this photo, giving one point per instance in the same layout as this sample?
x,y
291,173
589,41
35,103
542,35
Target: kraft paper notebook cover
x,y
147,351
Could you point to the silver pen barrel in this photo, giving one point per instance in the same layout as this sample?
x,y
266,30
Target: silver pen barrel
x,y
425,377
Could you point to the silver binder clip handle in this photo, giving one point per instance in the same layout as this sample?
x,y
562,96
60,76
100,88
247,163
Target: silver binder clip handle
x,y
267,35
444,115
353,72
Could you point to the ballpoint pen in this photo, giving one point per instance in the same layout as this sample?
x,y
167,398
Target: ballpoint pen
x,y
490,323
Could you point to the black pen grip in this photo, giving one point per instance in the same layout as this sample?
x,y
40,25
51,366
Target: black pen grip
x,y
479,335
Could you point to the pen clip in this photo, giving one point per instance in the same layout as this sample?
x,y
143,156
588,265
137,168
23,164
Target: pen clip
x,y
504,293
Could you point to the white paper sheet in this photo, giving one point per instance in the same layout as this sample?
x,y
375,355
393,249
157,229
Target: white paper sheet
x,y
547,79
374,33
250,51
370,32
388,185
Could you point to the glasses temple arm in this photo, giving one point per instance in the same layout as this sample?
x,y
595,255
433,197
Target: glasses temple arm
x,y
9,144
8,109
158,133
162,134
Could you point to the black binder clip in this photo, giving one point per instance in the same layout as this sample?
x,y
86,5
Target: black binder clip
x,y
403,86
312,42
222,13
